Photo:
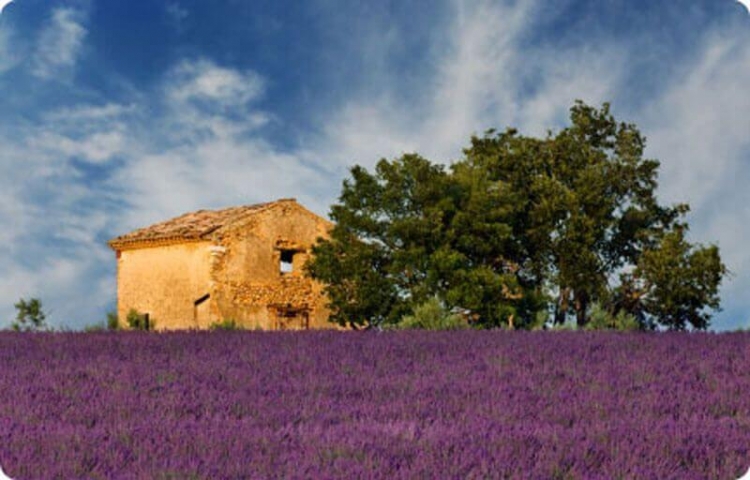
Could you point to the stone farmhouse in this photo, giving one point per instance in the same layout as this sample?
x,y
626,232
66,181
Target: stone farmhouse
x,y
242,264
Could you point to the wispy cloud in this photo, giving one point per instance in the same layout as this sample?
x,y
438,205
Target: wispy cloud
x,y
699,129
59,43
8,58
50,218
700,125
203,80
208,152
89,113
485,77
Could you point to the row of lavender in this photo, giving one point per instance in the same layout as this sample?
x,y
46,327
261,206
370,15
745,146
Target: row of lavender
x,y
377,405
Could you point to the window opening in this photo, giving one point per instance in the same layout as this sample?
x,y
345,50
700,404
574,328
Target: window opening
x,y
286,264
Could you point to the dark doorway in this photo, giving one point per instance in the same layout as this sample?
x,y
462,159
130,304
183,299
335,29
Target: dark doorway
x,y
291,318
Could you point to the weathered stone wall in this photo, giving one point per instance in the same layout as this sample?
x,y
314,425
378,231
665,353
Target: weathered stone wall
x,y
249,285
164,282
238,268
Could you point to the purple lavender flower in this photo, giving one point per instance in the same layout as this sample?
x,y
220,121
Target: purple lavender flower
x,y
394,405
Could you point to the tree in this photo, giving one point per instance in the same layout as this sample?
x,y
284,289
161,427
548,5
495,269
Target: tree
x,y
411,232
29,316
520,228
674,284
388,227
585,203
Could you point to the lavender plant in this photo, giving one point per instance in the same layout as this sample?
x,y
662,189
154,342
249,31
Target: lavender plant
x,y
397,404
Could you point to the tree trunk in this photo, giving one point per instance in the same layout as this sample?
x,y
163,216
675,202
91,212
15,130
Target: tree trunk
x,y
581,305
561,309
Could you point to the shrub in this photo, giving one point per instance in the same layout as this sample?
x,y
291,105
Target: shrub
x,y
97,327
29,316
432,315
226,324
602,319
139,321
568,326
113,322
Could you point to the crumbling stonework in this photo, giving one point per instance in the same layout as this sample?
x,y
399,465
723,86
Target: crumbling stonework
x,y
241,263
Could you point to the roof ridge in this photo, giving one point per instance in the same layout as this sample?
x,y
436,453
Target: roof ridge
x,y
193,225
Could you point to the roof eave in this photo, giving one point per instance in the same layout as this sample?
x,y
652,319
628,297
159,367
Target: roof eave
x,y
121,245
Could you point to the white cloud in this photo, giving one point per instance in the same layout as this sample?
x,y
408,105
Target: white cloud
x,y
90,133
89,113
13,216
480,82
58,283
204,80
52,216
208,154
477,76
592,75
474,78
214,173
699,130
205,100
96,148
701,124
59,44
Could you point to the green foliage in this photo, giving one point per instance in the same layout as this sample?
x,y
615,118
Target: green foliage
x,y
585,205
388,226
113,322
519,229
411,231
677,282
568,326
432,315
97,327
226,324
602,319
139,321
29,316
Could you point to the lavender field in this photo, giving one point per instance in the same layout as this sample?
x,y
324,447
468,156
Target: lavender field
x,y
553,405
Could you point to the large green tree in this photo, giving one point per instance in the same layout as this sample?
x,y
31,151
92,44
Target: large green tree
x,y
520,229
585,204
410,232
387,224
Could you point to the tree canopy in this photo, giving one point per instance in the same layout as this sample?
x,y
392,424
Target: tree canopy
x,y
521,231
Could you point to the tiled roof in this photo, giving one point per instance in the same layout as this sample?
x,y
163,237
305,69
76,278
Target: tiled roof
x,y
189,226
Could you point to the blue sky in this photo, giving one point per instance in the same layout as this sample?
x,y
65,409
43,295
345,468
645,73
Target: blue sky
x,y
117,114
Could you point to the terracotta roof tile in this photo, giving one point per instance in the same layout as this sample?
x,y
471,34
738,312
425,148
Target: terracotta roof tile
x,y
189,226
